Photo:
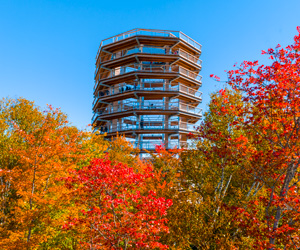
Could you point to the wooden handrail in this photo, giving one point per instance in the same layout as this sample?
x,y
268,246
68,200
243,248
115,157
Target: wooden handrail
x,y
177,34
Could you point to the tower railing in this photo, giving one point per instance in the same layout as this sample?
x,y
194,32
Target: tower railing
x,y
152,51
151,33
147,125
151,68
149,86
135,105
151,145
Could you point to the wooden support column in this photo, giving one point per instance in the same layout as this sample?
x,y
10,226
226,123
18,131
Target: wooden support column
x,y
167,85
166,141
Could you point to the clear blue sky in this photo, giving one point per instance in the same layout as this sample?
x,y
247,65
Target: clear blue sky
x,y
48,48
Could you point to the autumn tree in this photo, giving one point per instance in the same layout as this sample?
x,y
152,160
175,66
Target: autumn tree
x,y
115,209
37,147
268,149
242,180
204,182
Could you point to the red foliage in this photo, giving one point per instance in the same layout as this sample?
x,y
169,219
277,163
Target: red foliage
x,y
269,150
118,213
215,77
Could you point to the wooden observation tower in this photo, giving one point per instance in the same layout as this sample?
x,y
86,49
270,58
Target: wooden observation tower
x,y
147,87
